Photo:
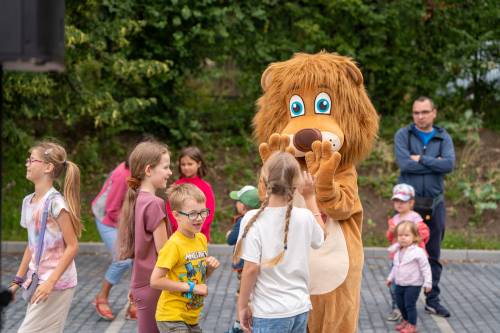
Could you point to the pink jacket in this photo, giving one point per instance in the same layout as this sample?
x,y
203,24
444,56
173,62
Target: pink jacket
x,y
209,194
411,268
114,189
423,229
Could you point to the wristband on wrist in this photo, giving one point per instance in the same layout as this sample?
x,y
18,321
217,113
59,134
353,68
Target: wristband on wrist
x,y
17,280
191,286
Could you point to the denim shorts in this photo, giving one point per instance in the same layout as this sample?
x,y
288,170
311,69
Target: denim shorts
x,y
295,324
118,267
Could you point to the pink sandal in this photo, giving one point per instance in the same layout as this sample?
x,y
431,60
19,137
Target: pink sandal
x,y
103,313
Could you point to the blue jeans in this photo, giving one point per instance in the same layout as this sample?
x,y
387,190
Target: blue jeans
x,y
406,297
433,247
118,267
295,324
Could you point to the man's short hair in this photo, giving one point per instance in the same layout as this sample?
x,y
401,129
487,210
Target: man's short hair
x,y
425,98
178,194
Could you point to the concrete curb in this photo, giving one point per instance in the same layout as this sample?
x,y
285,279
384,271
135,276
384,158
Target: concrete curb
x,y
222,249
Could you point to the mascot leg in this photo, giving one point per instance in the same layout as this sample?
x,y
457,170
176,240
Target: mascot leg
x,y
336,311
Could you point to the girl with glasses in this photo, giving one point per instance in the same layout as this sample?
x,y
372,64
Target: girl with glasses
x,y
53,219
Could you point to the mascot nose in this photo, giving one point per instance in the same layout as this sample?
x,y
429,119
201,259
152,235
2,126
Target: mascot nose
x,y
303,139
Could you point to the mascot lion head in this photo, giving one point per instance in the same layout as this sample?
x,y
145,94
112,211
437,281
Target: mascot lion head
x,y
317,97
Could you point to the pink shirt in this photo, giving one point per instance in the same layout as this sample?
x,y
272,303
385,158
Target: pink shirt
x,y
113,192
209,195
423,229
149,213
411,268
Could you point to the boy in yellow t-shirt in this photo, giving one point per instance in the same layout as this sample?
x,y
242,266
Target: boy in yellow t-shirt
x,y
183,264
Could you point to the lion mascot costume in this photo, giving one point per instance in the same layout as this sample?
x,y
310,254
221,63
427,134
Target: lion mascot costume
x,y
316,107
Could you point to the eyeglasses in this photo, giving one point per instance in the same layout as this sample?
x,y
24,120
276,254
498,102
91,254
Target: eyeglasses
x,y
30,161
422,113
193,215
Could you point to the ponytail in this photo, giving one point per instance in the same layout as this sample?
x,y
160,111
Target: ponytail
x,y
126,226
72,195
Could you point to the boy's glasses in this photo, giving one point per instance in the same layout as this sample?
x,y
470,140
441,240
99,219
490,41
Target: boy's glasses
x,y
32,160
193,215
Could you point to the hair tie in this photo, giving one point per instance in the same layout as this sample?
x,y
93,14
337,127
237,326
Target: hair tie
x,y
133,183
65,163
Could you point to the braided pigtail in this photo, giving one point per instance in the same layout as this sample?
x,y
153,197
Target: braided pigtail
x,y
237,249
276,260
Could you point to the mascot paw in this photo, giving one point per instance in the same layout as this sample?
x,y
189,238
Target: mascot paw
x,y
322,162
276,143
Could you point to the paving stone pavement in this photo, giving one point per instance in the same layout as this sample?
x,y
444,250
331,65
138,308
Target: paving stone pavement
x,y
471,290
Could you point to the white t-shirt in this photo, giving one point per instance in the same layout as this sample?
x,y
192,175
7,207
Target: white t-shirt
x,y
283,290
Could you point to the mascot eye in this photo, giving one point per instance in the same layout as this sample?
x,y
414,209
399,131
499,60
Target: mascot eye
x,y
322,104
296,106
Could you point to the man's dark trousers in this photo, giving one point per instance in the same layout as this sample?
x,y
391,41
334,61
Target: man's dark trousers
x,y
433,247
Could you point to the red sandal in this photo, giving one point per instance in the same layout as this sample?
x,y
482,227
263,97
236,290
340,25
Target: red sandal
x,y
103,313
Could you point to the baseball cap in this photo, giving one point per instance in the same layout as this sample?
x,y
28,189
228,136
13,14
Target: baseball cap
x,y
248,195
403,192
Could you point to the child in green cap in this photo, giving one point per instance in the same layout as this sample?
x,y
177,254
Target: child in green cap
x,y
247,198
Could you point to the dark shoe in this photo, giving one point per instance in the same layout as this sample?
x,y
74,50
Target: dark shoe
x,y
437,309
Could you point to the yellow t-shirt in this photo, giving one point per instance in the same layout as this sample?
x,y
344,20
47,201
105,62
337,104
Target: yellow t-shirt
x,y
185,259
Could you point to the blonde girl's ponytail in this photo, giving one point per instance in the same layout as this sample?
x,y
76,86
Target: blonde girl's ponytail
x,y
72,195
144,154
55,154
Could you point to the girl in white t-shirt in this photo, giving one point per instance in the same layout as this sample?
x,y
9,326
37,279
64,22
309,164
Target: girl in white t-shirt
x,y
275,241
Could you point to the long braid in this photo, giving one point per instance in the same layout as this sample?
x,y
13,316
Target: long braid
x,y
238,247
276,260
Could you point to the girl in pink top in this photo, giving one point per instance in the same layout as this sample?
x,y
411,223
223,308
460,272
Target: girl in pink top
x,y
49,305
410,271
142,226
403,198
192,169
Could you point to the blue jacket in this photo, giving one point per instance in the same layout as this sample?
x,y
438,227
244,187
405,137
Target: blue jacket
x,y
232,238
437,159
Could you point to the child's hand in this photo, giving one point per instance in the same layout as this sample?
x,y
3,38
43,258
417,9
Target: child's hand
x,y
201,289
212,263
307,188
427,290
388,283
42,292
246,319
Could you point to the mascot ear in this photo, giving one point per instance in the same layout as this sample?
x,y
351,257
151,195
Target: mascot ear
x,y
267,77
354,73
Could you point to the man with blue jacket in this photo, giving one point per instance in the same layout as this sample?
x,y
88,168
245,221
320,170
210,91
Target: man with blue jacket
x,y
425,153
